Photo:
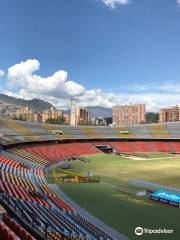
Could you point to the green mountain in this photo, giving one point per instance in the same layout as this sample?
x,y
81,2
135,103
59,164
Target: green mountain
x,y
35,104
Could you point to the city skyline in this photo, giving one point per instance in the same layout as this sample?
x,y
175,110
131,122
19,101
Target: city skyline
x,y
100,52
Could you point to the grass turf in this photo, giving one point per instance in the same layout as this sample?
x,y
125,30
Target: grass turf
x,y
122,211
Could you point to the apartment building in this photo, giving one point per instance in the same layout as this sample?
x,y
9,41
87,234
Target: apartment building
x,y
171,114
128,115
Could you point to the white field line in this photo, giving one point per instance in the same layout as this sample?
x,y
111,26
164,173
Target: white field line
x,y
151,159
110,184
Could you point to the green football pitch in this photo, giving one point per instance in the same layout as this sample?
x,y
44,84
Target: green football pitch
x,y
125,212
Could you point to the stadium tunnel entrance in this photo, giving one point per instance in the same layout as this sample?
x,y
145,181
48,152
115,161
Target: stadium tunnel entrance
x,y
105,149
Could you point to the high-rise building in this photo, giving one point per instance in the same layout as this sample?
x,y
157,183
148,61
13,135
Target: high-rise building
x,y
54,113
66,118
169,114
128,115
79,115
73,113
82,116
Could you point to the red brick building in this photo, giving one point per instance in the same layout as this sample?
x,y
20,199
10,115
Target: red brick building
x,y
169,114
128,115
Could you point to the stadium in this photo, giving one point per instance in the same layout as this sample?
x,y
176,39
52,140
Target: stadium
x,y
89,120
84,182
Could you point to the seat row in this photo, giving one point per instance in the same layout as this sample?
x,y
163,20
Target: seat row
x,y
92,228
10,178
6,233
13,167
146,146
21,193
61,204
23,167
46,210
12,230
50,219
59,151
29,157
46,189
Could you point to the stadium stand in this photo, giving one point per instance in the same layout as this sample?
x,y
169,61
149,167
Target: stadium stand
x,y
173,129
19,129
175,146
123,146
141,131
11,230
74,132
13,131
146,146
123,132
159,131
105,132
61,151
55,129
24,188
90,132
38,129
9,135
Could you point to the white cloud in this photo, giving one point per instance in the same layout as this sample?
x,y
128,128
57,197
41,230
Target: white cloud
x,y
22,75
169,87
153,101
178,2
58,90
2,73
112,3
99,98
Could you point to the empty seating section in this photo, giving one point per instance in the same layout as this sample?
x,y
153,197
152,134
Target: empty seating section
x,y
95,231
13,167
37,129
26,183
55,236
123,132
6,233
30,157
9,133
175,146
146,146
61,204
90,132
74,224
123,146
46,189
60,151
54,130
11,230
19,129
143,146
24,187
159,131
173,129
161,146
72,132
21,193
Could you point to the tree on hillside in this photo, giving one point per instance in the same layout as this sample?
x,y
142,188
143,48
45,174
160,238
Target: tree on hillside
x,y
60,120
152,117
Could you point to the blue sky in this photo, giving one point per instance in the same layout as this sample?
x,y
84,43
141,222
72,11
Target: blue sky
x,y
110,51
